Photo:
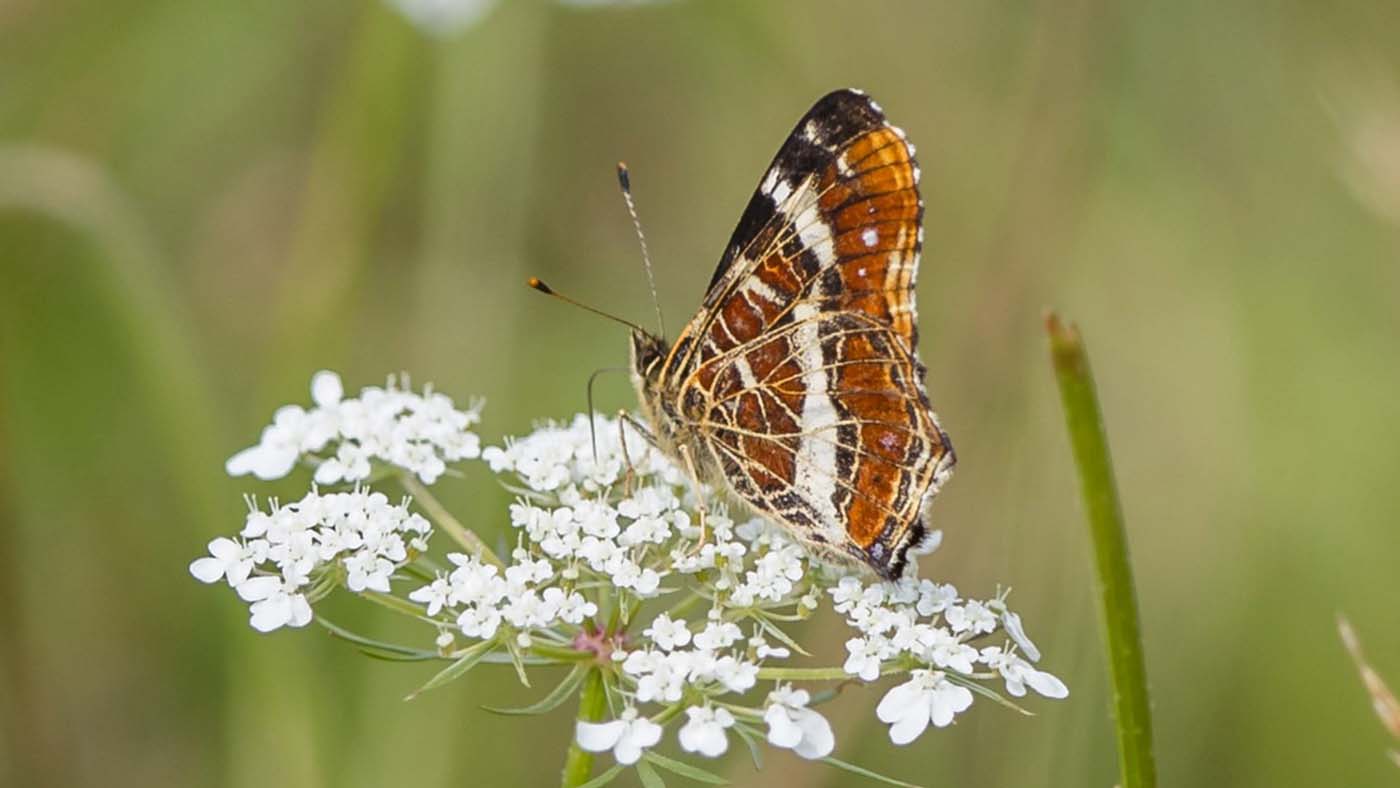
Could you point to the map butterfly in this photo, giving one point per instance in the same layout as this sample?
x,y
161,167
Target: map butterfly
x,y
797,385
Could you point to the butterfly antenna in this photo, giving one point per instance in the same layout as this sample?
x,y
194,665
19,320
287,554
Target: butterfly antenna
x,y
538,284
625,181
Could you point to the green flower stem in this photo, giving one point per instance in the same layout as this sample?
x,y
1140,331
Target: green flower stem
x,y
563,654
444,519
1117,597
398,605
821,674
592,703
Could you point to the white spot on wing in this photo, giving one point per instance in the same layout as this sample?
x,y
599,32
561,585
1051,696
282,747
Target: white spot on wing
x,y
745,372
781,192
760,288
769,182
871,236
816,235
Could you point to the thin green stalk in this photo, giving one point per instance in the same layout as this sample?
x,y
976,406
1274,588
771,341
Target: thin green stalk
x,y
821,674
592,703
461,534
1117,598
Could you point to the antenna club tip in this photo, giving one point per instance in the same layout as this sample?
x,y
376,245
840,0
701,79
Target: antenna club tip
x,y
536,283
623,176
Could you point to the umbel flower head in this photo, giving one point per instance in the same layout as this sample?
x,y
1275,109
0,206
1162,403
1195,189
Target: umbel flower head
x,y
342,437
672,625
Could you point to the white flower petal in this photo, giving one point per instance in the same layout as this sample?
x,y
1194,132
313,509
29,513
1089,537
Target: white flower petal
x,y
947,701
645,732
271,613
898,701
1011,622
329,472
817,739
782,731
264,462
326,388
599,736
627,752
910,727
300,612
225,549
255,589
207,570
640,734
1046,684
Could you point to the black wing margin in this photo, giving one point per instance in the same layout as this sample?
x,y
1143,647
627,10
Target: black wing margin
x,y
818,138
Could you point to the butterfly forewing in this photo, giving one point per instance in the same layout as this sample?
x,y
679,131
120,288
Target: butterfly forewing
x,y
799,374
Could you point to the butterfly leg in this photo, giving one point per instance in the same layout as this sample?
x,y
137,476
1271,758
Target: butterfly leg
x,y
623,420
631,476
700,507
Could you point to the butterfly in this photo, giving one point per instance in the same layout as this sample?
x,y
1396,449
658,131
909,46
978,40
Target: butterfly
x,y
797,385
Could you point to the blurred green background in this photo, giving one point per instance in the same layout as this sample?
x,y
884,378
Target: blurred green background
x,y
203,202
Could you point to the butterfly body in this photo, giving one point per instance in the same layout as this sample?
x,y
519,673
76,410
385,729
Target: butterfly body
x,y
796,386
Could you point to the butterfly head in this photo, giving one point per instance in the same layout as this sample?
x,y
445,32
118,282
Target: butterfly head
x,y
648,357
656,395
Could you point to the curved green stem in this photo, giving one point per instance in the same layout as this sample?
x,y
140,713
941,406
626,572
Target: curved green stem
x,y
592,703
444,519
1113,570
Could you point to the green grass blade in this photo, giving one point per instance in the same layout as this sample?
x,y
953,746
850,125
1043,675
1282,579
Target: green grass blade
x,y
1113,570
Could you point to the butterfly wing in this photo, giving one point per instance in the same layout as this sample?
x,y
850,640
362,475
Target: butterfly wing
x,y
800,370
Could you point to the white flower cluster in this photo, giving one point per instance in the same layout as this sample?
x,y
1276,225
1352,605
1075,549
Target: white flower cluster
x,y
596,522
480,597
677,616
343,437
560,459
287,555
926,623
620,517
